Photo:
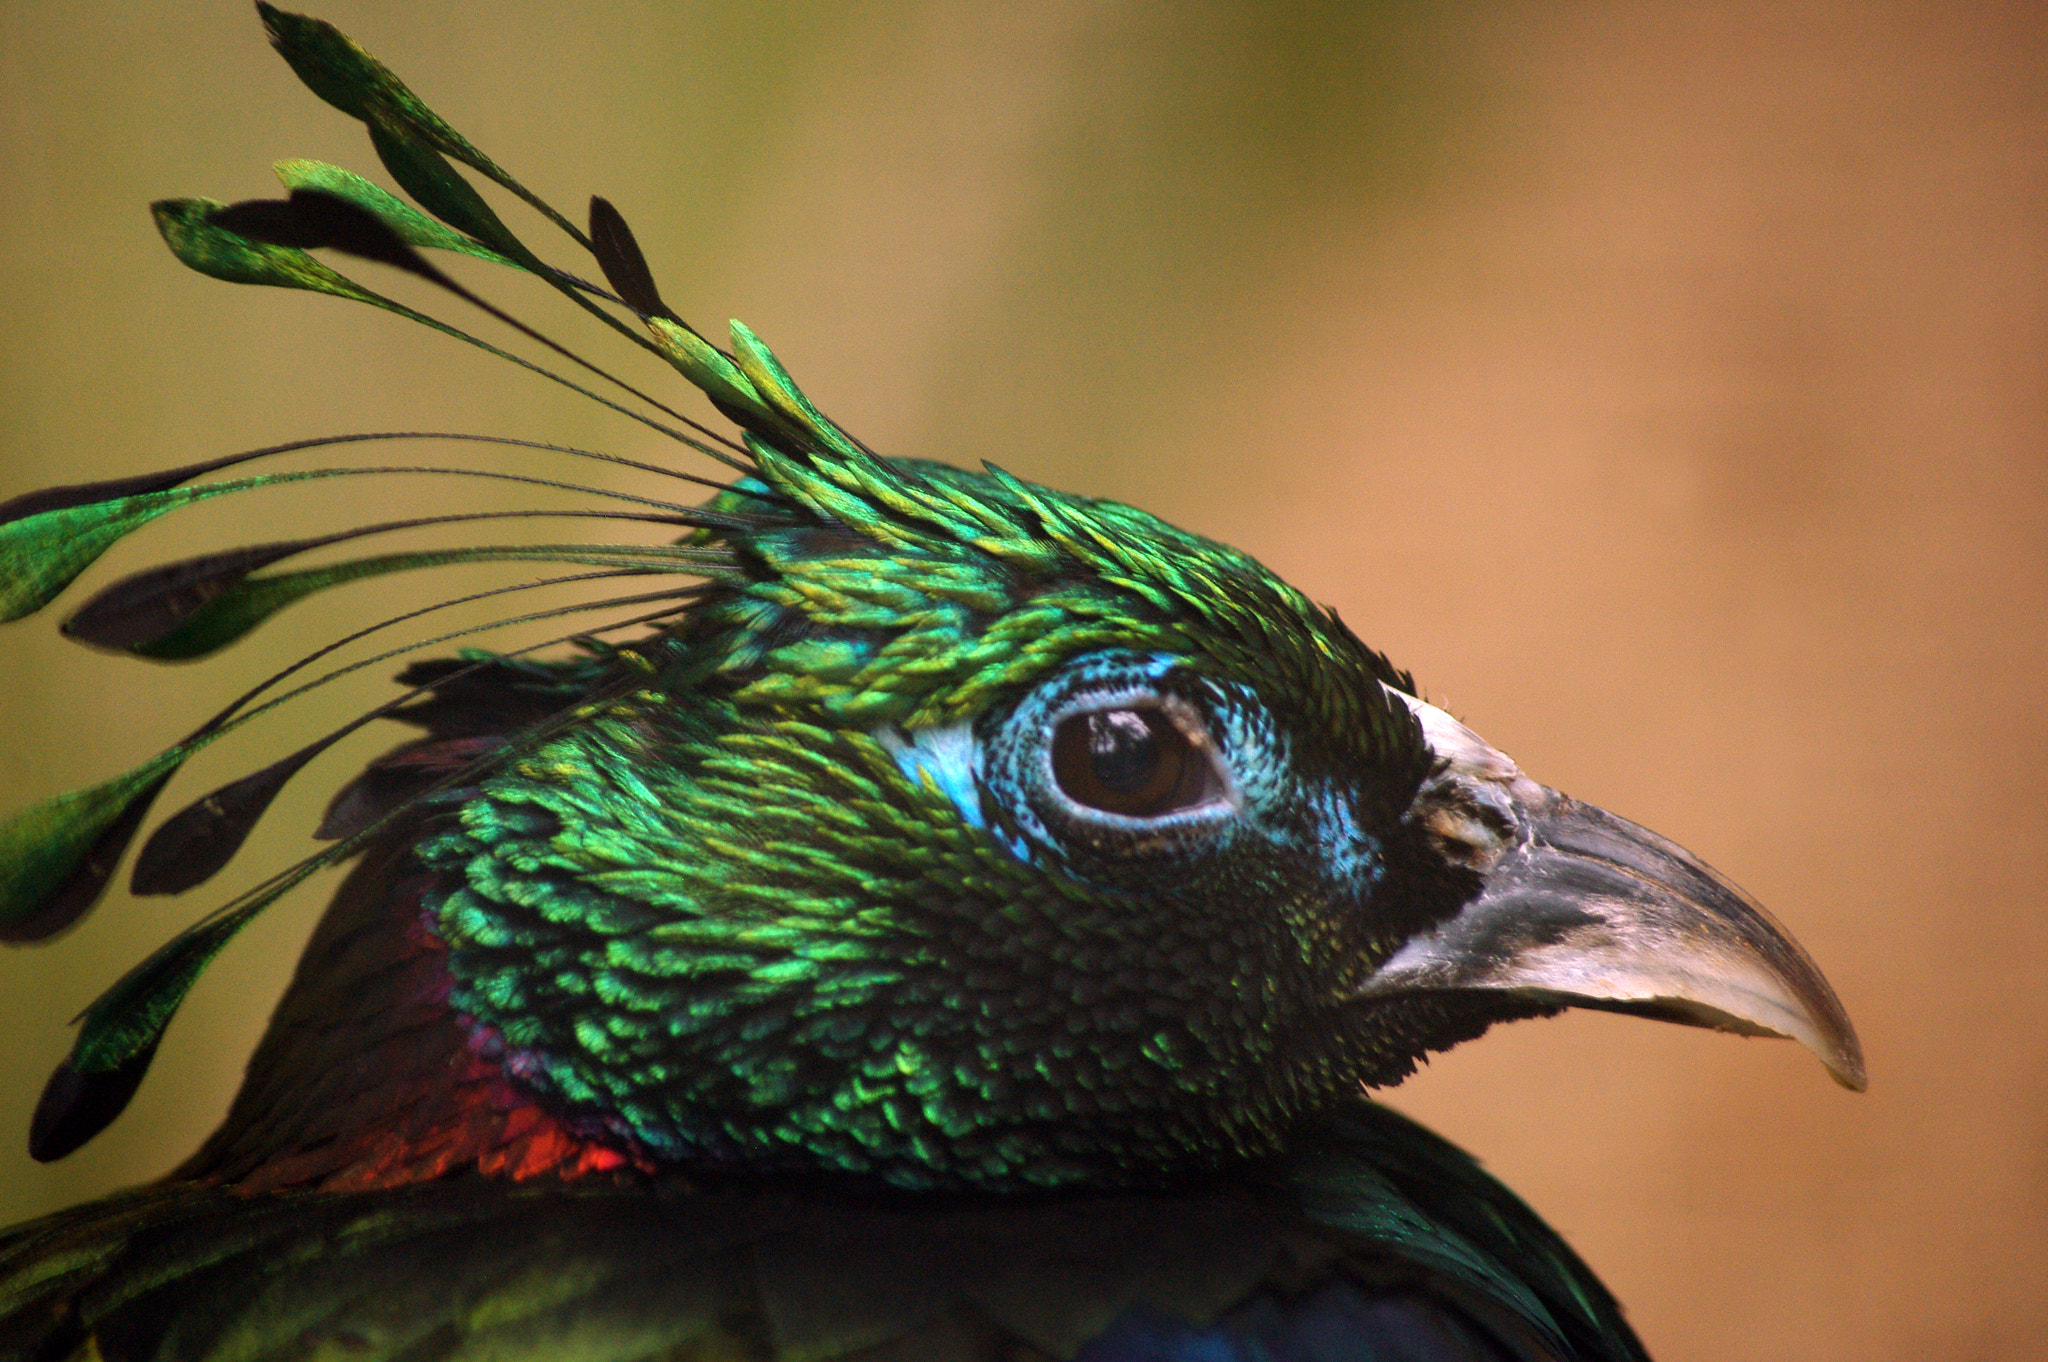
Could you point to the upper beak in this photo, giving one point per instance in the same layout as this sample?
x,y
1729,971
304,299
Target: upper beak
x,y
1583,908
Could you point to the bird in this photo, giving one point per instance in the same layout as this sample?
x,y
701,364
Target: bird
x,y
934,916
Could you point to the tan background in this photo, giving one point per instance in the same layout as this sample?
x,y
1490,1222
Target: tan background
x,y
1664,384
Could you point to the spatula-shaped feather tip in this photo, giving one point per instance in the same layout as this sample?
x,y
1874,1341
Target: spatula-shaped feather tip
x,y
76,1106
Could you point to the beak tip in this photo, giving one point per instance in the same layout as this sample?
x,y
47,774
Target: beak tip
x,y
1845,1066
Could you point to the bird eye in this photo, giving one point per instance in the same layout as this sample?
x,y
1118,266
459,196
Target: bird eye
x,y
1119,755
1134,762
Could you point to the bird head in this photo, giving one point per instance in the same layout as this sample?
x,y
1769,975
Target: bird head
x,y
937,828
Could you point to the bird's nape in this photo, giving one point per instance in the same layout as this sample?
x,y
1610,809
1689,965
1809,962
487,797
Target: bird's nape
x,y
924,909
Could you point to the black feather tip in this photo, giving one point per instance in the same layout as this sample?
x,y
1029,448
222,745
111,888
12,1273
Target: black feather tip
x,y
77,1106
625,267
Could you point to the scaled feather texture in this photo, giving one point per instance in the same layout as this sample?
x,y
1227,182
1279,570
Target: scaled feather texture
x,y
922,915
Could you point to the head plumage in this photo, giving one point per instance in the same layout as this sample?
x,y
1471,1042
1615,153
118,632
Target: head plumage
x,y
990,576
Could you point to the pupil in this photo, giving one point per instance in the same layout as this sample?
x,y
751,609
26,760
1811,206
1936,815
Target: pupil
x,y
1122,748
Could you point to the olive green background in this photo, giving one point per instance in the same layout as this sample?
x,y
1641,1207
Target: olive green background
x,y
1666,385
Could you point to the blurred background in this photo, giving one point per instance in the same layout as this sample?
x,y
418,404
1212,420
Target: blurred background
x,y
1666,385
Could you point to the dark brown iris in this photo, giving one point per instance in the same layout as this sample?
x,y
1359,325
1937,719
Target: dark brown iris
x,y
1133,762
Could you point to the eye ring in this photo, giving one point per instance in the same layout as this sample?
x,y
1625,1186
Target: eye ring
x,y
1134,759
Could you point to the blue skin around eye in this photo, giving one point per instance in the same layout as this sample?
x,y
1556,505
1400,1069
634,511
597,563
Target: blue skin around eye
x,y
1005,761
947,755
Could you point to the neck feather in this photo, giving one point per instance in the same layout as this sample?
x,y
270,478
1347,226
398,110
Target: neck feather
x,y
367,1079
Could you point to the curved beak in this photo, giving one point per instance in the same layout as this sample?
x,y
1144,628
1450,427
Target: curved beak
x,y
1582,908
